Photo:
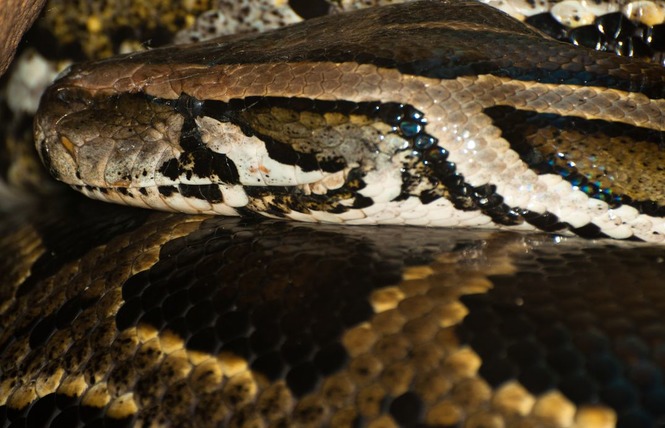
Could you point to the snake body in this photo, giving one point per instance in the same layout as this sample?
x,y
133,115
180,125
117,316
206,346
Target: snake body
x,y
126,318
113,316
421,121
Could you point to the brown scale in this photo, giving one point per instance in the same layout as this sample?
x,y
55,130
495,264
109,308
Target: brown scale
x,y
602,159
306,130
614,159
139,122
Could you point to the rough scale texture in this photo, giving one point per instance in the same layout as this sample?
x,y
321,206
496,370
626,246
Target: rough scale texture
x,y
111,316
177,129
123,317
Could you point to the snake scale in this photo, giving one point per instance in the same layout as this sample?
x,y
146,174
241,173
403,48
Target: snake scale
x,y
401,115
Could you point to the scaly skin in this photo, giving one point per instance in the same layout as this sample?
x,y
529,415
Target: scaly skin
x,y
177,129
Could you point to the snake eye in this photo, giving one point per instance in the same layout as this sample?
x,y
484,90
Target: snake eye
x,y
189,106
63,95
72,97
186,105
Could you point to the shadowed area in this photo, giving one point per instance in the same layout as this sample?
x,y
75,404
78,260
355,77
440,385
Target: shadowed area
x,y
227,319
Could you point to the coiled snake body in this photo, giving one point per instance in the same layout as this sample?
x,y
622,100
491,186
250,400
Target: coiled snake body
x,y
404,114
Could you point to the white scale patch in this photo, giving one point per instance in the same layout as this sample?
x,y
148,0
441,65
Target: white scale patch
x,y
440,213
575,13
234,196
482,157
252,160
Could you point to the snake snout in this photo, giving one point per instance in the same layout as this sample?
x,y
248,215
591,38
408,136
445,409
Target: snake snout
x,y
56,150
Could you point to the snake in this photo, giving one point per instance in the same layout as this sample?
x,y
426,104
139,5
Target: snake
x,y
416,143
439,130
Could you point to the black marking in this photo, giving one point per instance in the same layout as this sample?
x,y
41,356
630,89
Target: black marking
x,y
197,160
206,192
41,331
491,204
332,164
143,191
187,106
59,410
517,125
549,25
310,8
224,293
547,222
167,190
429,196
407,409
302,379
646,207
171,169
96,224
361,201
564,336
285,154
123,191
589,230
248,213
